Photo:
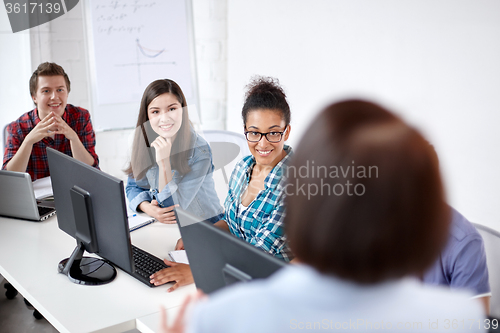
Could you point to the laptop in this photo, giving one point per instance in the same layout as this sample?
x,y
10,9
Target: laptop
x,y
17,198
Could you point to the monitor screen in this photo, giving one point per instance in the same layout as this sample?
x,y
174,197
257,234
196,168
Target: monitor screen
x,y
218,258
108,209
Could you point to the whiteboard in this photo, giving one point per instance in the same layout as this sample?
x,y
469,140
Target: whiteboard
x,y
131,43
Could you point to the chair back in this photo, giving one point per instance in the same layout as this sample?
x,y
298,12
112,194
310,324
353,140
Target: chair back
x,y
492,247
5,134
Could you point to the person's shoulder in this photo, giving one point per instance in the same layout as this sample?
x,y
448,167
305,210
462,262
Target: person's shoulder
x,y
77,117
25,117
23,124
200,146
243,165
285,162
245,162
462,229
199,141
77,110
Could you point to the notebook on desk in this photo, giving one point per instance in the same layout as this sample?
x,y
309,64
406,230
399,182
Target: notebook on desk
x,y
137,221
17,198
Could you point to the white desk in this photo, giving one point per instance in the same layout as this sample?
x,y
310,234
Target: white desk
x,y
30,252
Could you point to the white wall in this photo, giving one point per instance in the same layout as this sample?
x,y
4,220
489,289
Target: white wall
x,y
15,73
436,63
210,29
62,41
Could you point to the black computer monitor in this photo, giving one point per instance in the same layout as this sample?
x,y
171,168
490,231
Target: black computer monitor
x,y
91,208
218,259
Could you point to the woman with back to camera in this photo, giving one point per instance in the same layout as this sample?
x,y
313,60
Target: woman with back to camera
x,y
254,206
358,253
179,170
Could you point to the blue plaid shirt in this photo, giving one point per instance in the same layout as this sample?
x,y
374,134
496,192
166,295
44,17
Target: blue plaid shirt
x,y
261,223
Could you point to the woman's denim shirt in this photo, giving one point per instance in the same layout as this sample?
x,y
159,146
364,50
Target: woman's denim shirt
x,y
194,192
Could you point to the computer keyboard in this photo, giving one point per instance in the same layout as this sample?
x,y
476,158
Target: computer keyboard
x,y
146,264
44,210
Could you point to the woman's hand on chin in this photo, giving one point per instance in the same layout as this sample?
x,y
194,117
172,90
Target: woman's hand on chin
x,y
163,148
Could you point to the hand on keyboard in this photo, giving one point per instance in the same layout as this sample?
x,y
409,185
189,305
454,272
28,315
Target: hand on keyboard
x,y
180,273
145,264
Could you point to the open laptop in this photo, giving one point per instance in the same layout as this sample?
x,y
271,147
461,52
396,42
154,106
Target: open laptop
x,y
17,198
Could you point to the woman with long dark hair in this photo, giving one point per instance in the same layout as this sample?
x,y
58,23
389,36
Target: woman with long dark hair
x,y
171,164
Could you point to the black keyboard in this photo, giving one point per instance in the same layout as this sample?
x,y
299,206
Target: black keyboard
x,y
44,210
146,264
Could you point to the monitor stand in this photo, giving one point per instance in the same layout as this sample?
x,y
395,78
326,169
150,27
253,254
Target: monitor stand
x,y
86,270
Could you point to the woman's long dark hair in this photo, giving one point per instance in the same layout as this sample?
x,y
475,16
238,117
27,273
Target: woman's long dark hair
x,y
142,158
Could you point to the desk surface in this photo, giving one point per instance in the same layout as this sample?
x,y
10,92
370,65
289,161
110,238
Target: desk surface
x,y
30,252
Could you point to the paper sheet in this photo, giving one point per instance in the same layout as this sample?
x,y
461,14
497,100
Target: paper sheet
x,y
179,256
43,188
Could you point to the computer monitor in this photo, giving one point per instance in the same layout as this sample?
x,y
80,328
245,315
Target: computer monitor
x,y
218,259
91,208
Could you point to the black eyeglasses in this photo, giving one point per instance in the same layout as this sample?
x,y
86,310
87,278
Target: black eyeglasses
x,y
273,137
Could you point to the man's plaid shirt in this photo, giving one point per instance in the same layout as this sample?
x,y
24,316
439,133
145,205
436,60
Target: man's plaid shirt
x,y
38,167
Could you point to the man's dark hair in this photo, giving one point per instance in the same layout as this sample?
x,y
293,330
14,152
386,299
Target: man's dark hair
x,y
47,69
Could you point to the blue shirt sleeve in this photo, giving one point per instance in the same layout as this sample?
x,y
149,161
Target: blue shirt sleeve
x,y
136,194
468,266
462,263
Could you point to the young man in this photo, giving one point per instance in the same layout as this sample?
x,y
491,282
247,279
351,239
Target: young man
x,y
53,123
